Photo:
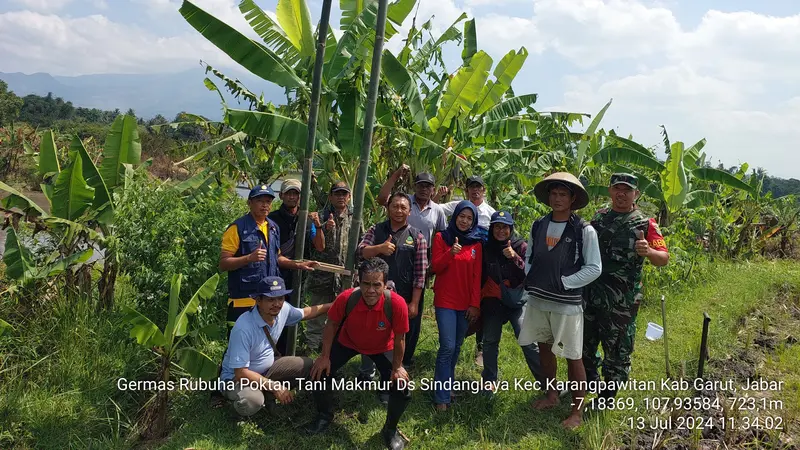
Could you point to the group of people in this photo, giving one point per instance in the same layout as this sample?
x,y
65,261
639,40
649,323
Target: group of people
x,y
567,287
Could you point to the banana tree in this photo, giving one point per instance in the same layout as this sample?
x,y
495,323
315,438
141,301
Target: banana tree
x,y
679,182
81,196
172,348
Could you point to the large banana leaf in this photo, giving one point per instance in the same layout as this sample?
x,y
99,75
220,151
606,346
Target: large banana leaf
x,y
501,130
294,18
511,106
470,42
614,155
272,33
396,13
205,292
421,58
595,190
674,183
696,199
583,145
350,11
417,141
351,122
463,89
276,128
257,59
71,195
722,177
349,44
197,364
215,148
122,147
92,175
60,265
691,155
18,260
504,74
633,145
48,159
144,330
405,86
16,199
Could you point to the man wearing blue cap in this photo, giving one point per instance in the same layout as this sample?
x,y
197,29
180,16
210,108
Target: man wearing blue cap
x,y
251,252
251,361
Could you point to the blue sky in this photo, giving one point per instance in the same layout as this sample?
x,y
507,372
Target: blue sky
x,y
724,70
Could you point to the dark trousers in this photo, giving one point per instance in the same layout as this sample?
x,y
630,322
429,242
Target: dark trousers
x,y
340,355
412,337
233,314
494,315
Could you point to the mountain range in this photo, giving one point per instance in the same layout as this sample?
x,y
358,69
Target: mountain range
x,y
148,94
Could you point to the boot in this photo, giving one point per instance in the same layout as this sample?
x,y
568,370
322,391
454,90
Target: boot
x,y
392,439
323,400
398,402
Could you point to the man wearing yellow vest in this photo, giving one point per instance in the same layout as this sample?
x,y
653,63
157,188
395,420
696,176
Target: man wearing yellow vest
x,y
251,252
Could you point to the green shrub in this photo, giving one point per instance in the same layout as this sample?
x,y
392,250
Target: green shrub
x,y
161,235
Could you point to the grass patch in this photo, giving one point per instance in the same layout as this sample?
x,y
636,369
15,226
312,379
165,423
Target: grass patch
x,y
58,386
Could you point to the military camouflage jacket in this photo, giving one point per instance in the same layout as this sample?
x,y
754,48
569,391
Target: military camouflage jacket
x,y
622,266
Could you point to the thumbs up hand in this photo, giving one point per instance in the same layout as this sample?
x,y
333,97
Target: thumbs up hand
x,y
388,247
259,254
509,252
456,248
330,224
641,246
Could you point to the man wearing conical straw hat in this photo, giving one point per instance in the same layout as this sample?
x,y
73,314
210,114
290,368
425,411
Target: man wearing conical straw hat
x,y
563,256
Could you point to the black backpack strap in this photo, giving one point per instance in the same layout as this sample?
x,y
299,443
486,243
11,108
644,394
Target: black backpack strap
x,y
387,305
352,301
578,224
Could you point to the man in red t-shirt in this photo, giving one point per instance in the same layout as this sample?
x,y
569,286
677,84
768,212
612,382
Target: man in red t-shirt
x,y
365,330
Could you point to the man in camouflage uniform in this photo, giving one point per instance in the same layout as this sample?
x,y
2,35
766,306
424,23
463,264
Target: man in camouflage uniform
x,y
626,237
330,247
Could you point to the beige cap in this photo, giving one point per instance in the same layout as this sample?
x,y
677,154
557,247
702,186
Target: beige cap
x,y
290,184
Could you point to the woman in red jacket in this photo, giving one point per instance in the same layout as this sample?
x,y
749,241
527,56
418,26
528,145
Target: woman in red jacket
x,y
456,260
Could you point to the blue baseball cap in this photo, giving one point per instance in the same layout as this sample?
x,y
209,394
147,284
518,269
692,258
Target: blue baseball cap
x,y
271,287
260,190
502,217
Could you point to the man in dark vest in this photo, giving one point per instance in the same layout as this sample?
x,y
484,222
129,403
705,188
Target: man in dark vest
x,y
406,251
562,258
371,321
286,219
251,252
627,238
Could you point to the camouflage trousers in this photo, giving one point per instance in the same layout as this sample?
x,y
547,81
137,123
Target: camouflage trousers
x,y
610,321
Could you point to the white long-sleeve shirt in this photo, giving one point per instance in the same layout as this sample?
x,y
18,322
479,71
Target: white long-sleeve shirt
x,y
484,212
590,271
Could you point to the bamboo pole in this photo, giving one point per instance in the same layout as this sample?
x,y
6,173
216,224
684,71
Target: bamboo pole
x,y
308,160
366,142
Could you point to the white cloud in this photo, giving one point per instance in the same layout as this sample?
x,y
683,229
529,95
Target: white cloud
x,y
33,42
43,5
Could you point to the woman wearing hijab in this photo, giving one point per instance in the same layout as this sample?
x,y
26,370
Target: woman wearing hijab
x,y
503,263
456,260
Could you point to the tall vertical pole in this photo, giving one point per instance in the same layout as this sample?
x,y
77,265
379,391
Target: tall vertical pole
x,y
366,142
308,160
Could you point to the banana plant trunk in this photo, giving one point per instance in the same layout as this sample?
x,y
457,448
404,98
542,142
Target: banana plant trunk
x,y
155,416
108,278
366,143
308,161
